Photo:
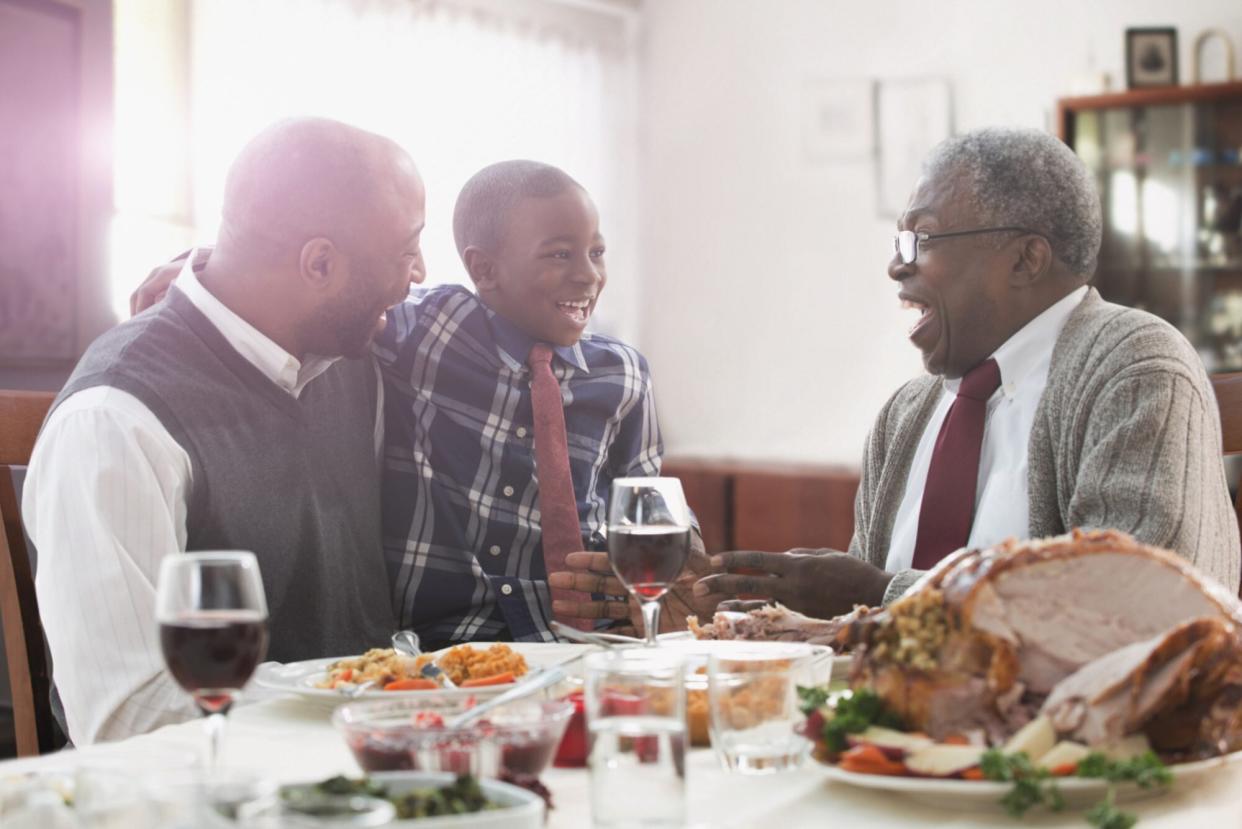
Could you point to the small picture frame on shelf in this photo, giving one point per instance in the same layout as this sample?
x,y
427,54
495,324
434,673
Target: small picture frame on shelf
x,y
1151,57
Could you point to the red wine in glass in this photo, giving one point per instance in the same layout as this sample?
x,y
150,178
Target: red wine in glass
x,y
649,558
648,540
212,654
212,614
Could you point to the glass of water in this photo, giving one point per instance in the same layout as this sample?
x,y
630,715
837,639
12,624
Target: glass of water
x,y
753,706
636,722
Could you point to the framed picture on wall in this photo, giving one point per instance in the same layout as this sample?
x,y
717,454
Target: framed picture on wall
x,y
1151,57
911,117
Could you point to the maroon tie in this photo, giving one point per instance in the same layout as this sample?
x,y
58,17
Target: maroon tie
x,y
949,496
558,507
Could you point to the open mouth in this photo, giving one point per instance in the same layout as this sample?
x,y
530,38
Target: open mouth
x,y
578,310
925,314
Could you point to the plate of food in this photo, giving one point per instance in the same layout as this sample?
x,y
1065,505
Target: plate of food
x,y
478,670
777,623
1071,672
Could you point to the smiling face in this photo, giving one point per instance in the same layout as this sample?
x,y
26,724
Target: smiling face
x,y
547,271
378,272
958,286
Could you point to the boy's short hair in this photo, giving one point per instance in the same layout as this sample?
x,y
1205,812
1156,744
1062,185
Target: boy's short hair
x,y
486,199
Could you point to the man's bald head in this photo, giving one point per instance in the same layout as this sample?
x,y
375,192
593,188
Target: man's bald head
x,y
320,234
303,178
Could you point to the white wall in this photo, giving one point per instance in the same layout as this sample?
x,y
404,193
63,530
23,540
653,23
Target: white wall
x,y
769,320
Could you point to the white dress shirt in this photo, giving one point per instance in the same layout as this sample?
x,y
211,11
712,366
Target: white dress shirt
x,y
1001,506
104,500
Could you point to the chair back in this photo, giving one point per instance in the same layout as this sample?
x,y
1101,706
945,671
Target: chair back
x,y
21,415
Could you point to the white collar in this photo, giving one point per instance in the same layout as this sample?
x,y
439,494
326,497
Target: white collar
x,y
278,365
1029,348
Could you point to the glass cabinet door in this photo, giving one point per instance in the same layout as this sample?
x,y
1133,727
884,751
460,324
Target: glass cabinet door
x,y
1170,181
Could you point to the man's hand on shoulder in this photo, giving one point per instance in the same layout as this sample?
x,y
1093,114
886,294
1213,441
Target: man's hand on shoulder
x,y
819,583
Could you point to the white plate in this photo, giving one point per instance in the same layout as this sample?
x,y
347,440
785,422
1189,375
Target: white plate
x,y
1079,792
301,677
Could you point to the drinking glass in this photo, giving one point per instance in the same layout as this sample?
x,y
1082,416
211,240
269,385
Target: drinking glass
x,y
213,629
648,540
753,706
636,723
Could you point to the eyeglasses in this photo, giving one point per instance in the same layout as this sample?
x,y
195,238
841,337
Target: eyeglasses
x,y
906,242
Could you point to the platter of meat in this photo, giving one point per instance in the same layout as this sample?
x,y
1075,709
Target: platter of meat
x,y
777,623
1040,673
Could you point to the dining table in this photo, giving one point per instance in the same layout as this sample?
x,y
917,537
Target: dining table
x,y
286,738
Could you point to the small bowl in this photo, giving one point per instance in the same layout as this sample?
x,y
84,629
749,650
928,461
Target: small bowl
x,y
403,735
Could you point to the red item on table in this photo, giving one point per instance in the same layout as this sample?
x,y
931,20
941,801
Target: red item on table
x,y
572,752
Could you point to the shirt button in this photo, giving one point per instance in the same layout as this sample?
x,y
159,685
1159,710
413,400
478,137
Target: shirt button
x,y
508,491
506,589
494,549
521,431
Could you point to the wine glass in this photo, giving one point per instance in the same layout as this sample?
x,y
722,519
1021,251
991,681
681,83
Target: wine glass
x,y
648,540
213,629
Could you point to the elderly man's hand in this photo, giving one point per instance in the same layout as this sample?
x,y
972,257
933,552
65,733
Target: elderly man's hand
x,y
820,583
591,573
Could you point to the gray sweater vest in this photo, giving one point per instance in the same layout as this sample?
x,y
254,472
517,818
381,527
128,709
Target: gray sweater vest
x,y
295,481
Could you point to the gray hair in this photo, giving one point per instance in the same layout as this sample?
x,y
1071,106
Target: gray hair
x,y
1027,178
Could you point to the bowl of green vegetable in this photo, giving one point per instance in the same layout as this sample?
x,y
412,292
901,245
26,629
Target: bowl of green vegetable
x,y
426,800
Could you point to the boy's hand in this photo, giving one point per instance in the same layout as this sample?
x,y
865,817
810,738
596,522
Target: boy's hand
x,y
153,288
591,572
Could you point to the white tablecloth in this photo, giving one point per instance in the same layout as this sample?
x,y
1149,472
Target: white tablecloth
x,y
289,740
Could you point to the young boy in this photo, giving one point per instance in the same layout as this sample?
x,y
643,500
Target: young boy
x,y
464,512
464,515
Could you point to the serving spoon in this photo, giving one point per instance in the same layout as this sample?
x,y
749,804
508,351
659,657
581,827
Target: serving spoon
x,y
406,642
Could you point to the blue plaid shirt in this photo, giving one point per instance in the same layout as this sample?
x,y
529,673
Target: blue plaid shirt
x,y
460,498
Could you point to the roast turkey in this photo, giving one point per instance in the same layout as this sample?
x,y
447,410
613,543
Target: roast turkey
x,y
1109,637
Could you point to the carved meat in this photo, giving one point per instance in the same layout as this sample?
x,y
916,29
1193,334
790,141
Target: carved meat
x,y
1164,679
984,639
773,623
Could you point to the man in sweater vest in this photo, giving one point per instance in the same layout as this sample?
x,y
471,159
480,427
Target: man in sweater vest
x,y
1044,407
240,413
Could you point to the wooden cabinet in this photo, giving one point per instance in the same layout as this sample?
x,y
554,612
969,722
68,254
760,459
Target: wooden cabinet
x,y
1168,163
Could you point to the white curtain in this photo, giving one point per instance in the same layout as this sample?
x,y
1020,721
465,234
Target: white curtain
x,y
459,83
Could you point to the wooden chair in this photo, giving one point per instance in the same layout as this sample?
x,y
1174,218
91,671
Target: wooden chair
x,y
21,415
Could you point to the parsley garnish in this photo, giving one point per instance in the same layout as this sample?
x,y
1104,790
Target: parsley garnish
x,y
1104,815
811,698
1031,785
854,714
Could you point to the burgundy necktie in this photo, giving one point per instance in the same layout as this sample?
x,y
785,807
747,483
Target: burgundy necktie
x,y
558,507
949,496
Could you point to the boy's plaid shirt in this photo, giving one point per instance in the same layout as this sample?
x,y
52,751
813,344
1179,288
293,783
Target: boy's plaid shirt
x,y
460,497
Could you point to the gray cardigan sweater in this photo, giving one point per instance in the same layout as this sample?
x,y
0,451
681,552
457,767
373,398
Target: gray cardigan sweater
x,y
1127,436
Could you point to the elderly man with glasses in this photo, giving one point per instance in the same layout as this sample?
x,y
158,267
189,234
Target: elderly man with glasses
x,y
1044,407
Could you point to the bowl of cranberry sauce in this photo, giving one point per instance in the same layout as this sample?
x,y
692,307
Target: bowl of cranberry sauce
x,y
405,734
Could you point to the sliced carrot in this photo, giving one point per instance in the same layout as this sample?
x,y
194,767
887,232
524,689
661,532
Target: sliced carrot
x,y
975,773
346,675
956,740
869,759
414,683
499,679
1064,770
